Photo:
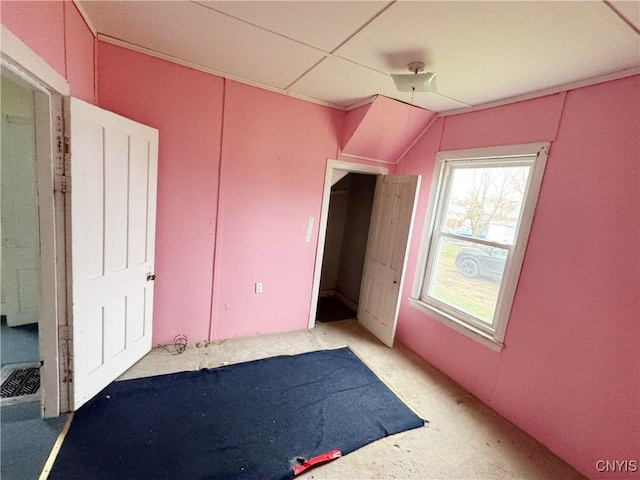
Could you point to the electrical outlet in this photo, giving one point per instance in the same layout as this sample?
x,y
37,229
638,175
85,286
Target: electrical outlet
x,y
259,287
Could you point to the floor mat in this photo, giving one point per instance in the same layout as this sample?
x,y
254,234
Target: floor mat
x,y
20,383
252,420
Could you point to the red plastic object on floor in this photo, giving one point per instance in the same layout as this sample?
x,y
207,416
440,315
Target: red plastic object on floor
x,y
325,457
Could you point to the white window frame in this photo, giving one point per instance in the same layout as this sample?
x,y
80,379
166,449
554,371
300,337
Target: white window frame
x,y
492,336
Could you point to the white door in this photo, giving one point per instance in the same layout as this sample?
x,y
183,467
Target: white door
x,y
387,248
113,181
20,243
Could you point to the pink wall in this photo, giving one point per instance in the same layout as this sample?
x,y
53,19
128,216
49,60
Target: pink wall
x,y
273,162
41,26
569,372
56,31
80,46
186,107
270,172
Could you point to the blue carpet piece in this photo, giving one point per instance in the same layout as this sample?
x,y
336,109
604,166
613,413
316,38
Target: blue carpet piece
x,y
19,344
26,440
252,420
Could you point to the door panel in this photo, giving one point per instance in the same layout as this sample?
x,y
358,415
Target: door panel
x,y
382,279
113,206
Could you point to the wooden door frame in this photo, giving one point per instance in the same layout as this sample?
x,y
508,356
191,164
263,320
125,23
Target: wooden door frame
x,y
332,166
49,88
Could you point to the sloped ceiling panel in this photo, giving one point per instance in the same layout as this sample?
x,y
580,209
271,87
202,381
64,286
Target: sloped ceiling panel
x,y
352,121
386,130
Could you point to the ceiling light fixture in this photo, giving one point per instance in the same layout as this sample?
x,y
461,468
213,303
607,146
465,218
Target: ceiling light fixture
x,y
415,82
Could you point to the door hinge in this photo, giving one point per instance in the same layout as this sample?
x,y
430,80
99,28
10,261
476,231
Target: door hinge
x,y
60,184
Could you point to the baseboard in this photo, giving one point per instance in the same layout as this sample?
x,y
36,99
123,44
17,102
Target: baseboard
x,y
347,301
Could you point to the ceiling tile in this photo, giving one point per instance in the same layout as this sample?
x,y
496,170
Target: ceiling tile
x,y
341,82
487,51
630,10
433,101
322,24
344,83
199,35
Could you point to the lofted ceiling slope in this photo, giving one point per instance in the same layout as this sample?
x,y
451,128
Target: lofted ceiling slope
x,y
341,53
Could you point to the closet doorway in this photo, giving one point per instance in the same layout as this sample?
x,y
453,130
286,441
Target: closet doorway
x,y
338,178
350,204
378,276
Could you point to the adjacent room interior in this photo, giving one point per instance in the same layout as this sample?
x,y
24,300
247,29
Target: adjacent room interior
x,y
449,188
20,247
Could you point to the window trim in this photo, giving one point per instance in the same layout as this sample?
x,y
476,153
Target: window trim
x,y
491,337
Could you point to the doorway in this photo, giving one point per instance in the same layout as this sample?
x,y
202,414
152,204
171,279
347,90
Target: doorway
x,y
335,172
350,205
387,246
32,229
20,288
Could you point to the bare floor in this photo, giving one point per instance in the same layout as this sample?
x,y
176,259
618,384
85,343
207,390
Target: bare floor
x,y
464,439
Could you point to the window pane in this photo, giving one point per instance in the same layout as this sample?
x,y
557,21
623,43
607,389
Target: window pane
x,y
467,277
485,202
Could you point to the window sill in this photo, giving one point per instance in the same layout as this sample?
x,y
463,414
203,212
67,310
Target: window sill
x,y
474,334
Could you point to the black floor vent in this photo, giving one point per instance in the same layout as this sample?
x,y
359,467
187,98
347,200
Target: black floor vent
x,y
21,381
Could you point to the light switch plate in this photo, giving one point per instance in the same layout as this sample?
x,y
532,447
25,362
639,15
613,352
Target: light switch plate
x,y
309,229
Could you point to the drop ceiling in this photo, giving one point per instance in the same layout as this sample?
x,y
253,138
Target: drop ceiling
x,y
341,53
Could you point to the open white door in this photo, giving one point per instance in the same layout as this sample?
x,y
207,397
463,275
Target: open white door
x,y
387,248
113,173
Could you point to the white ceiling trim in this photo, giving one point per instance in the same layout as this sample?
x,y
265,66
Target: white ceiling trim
x,y
549,91
369,159
86,18
211,71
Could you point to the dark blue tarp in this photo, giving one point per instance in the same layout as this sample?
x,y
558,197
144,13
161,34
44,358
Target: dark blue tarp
x,y
252,420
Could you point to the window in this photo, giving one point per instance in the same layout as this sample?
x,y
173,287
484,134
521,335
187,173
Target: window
x,y
480,212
